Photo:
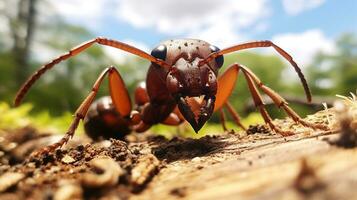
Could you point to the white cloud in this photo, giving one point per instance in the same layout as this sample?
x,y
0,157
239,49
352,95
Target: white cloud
x,y
294,7
220,22
186,15
304,46
221,35
214,20
91,13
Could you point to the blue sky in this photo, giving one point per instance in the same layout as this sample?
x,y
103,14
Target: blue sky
x,y
303,27
332,17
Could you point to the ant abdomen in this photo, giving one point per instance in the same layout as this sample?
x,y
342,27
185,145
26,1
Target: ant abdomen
x,y
104,122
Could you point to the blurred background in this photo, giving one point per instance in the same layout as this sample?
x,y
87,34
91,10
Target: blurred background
x,y
319,34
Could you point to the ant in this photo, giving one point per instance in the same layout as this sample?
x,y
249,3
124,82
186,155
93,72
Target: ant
x,y
180,70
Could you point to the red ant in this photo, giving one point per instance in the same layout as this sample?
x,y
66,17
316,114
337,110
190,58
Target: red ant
x,y
180,70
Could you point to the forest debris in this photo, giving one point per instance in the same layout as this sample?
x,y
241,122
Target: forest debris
x,y
259,128
68,190
68,159
108,173
187,148
179,192
23,150
148,166
306,181
347,117
196,159
10,179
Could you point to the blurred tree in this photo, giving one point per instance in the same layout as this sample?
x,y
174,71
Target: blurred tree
x,y
337,73
64,87
22,24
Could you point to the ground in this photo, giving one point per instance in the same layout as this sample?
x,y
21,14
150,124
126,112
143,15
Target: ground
x,y
312,164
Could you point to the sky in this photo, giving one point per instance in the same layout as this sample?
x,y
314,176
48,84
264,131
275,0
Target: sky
x,y
302,27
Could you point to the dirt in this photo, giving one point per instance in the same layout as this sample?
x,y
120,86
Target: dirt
x,y
75,165
257,165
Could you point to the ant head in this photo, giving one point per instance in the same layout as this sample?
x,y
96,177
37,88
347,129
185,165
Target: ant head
x,y
188,78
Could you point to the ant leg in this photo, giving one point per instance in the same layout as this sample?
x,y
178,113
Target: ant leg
x,y
79,115
265,43
83,108
232,74
120,97
141,98
226,83
235,115
280,101
119,93
222,118
78,49
258,101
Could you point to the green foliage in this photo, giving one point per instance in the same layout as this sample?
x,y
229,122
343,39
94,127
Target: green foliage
x,y
14,118
209,128
7,74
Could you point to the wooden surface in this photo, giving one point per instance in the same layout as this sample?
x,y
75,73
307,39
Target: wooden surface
x,y
262,166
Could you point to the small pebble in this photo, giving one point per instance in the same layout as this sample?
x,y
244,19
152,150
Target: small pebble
x,y
111,171
147,167
10,179
68,190
68,159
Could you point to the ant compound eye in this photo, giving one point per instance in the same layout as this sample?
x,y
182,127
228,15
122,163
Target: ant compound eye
x,y
214,48
219,60
159,52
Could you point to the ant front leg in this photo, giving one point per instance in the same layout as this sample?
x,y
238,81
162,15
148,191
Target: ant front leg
x,y
226,83
120,98
226,86
279,101
142,102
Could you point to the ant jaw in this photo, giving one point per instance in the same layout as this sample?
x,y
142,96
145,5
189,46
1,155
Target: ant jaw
x,y
203,112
